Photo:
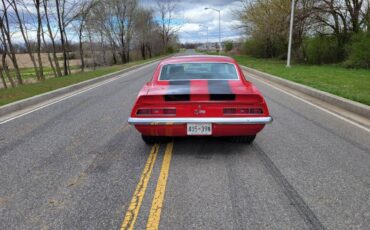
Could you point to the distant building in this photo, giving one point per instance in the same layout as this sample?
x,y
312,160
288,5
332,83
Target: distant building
x,y
212,47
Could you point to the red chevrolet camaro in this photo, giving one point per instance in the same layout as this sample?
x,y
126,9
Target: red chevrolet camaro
x,y
199,96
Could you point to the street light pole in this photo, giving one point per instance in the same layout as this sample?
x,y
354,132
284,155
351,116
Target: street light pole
x,y
219,29
290,35
207,40
207,35
219,26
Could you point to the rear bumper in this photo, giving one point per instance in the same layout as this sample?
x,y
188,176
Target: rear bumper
x,y
213,120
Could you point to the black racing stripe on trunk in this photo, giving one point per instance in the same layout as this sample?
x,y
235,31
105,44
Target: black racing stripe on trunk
x,y
178,87
219,87
178,91
220,90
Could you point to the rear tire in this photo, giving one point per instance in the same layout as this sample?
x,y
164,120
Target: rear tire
x,y
243,139
155,139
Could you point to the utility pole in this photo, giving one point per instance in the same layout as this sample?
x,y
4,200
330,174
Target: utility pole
x,y
290,34
219,26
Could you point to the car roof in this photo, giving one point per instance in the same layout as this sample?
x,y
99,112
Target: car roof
x,y
197,58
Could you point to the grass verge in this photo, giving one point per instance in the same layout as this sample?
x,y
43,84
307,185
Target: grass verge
x,y
25,91
29,72
353,84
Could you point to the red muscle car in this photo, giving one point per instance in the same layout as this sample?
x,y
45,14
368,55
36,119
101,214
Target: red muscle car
x,y
199,95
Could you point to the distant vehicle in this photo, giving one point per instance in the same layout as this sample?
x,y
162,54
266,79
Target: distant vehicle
x,y
199,95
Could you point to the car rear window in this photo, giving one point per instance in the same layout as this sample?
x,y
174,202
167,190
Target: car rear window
x,y
198,71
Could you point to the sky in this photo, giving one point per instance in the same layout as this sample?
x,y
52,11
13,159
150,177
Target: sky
x,y
194,19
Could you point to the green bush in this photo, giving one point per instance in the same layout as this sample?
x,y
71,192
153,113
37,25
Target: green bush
x,y
322,50
229,45
359,52
264,48
170,50
253,48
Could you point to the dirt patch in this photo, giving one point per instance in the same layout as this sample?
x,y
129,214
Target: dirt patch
x,y
24,60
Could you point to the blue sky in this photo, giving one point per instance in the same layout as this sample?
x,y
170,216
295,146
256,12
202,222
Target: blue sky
x,y
195,18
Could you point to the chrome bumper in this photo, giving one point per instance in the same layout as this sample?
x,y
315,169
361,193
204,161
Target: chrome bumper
x,y
214,120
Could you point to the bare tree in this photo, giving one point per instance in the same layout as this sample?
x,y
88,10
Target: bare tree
x,y
101,18
2,77
37,4
123,13
166,10
62,33
340,19
48,54
132,8
3,56
6,33
51,37
4,66
330,14
115,18
102,46
144,26
92,50
23,30
81,17
367,17
354,8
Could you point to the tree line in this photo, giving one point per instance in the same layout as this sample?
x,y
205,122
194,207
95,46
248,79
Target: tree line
x,y
98,32
325,31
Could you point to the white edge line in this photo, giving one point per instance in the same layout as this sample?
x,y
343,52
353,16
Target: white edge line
x,y
310,103
77,93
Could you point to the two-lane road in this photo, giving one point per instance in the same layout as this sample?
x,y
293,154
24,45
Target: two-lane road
x,y
77,164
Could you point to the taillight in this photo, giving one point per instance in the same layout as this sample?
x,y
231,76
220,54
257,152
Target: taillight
x,y
169,111
241,111
156,111
229,111
256,111
143,111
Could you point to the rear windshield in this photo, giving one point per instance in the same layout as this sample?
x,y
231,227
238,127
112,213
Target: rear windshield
x,y
198,71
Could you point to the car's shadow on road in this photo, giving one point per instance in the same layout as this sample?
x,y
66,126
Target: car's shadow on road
x,y
206,147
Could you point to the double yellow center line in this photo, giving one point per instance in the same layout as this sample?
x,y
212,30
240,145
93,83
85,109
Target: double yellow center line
x,y
157,204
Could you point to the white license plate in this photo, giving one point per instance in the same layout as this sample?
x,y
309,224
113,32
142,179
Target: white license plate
x,y
199,129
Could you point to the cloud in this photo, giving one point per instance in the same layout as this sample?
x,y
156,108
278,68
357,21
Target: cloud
x,y
190,27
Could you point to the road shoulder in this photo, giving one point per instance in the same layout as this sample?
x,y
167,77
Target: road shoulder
x,y
350,110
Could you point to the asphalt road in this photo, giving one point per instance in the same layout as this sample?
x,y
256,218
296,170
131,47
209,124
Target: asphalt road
x,y
77,164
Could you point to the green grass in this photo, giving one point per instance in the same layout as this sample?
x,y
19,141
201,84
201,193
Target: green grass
x,y
29,90
29,72
353,84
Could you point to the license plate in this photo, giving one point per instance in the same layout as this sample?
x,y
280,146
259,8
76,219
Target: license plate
x,y
199,129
